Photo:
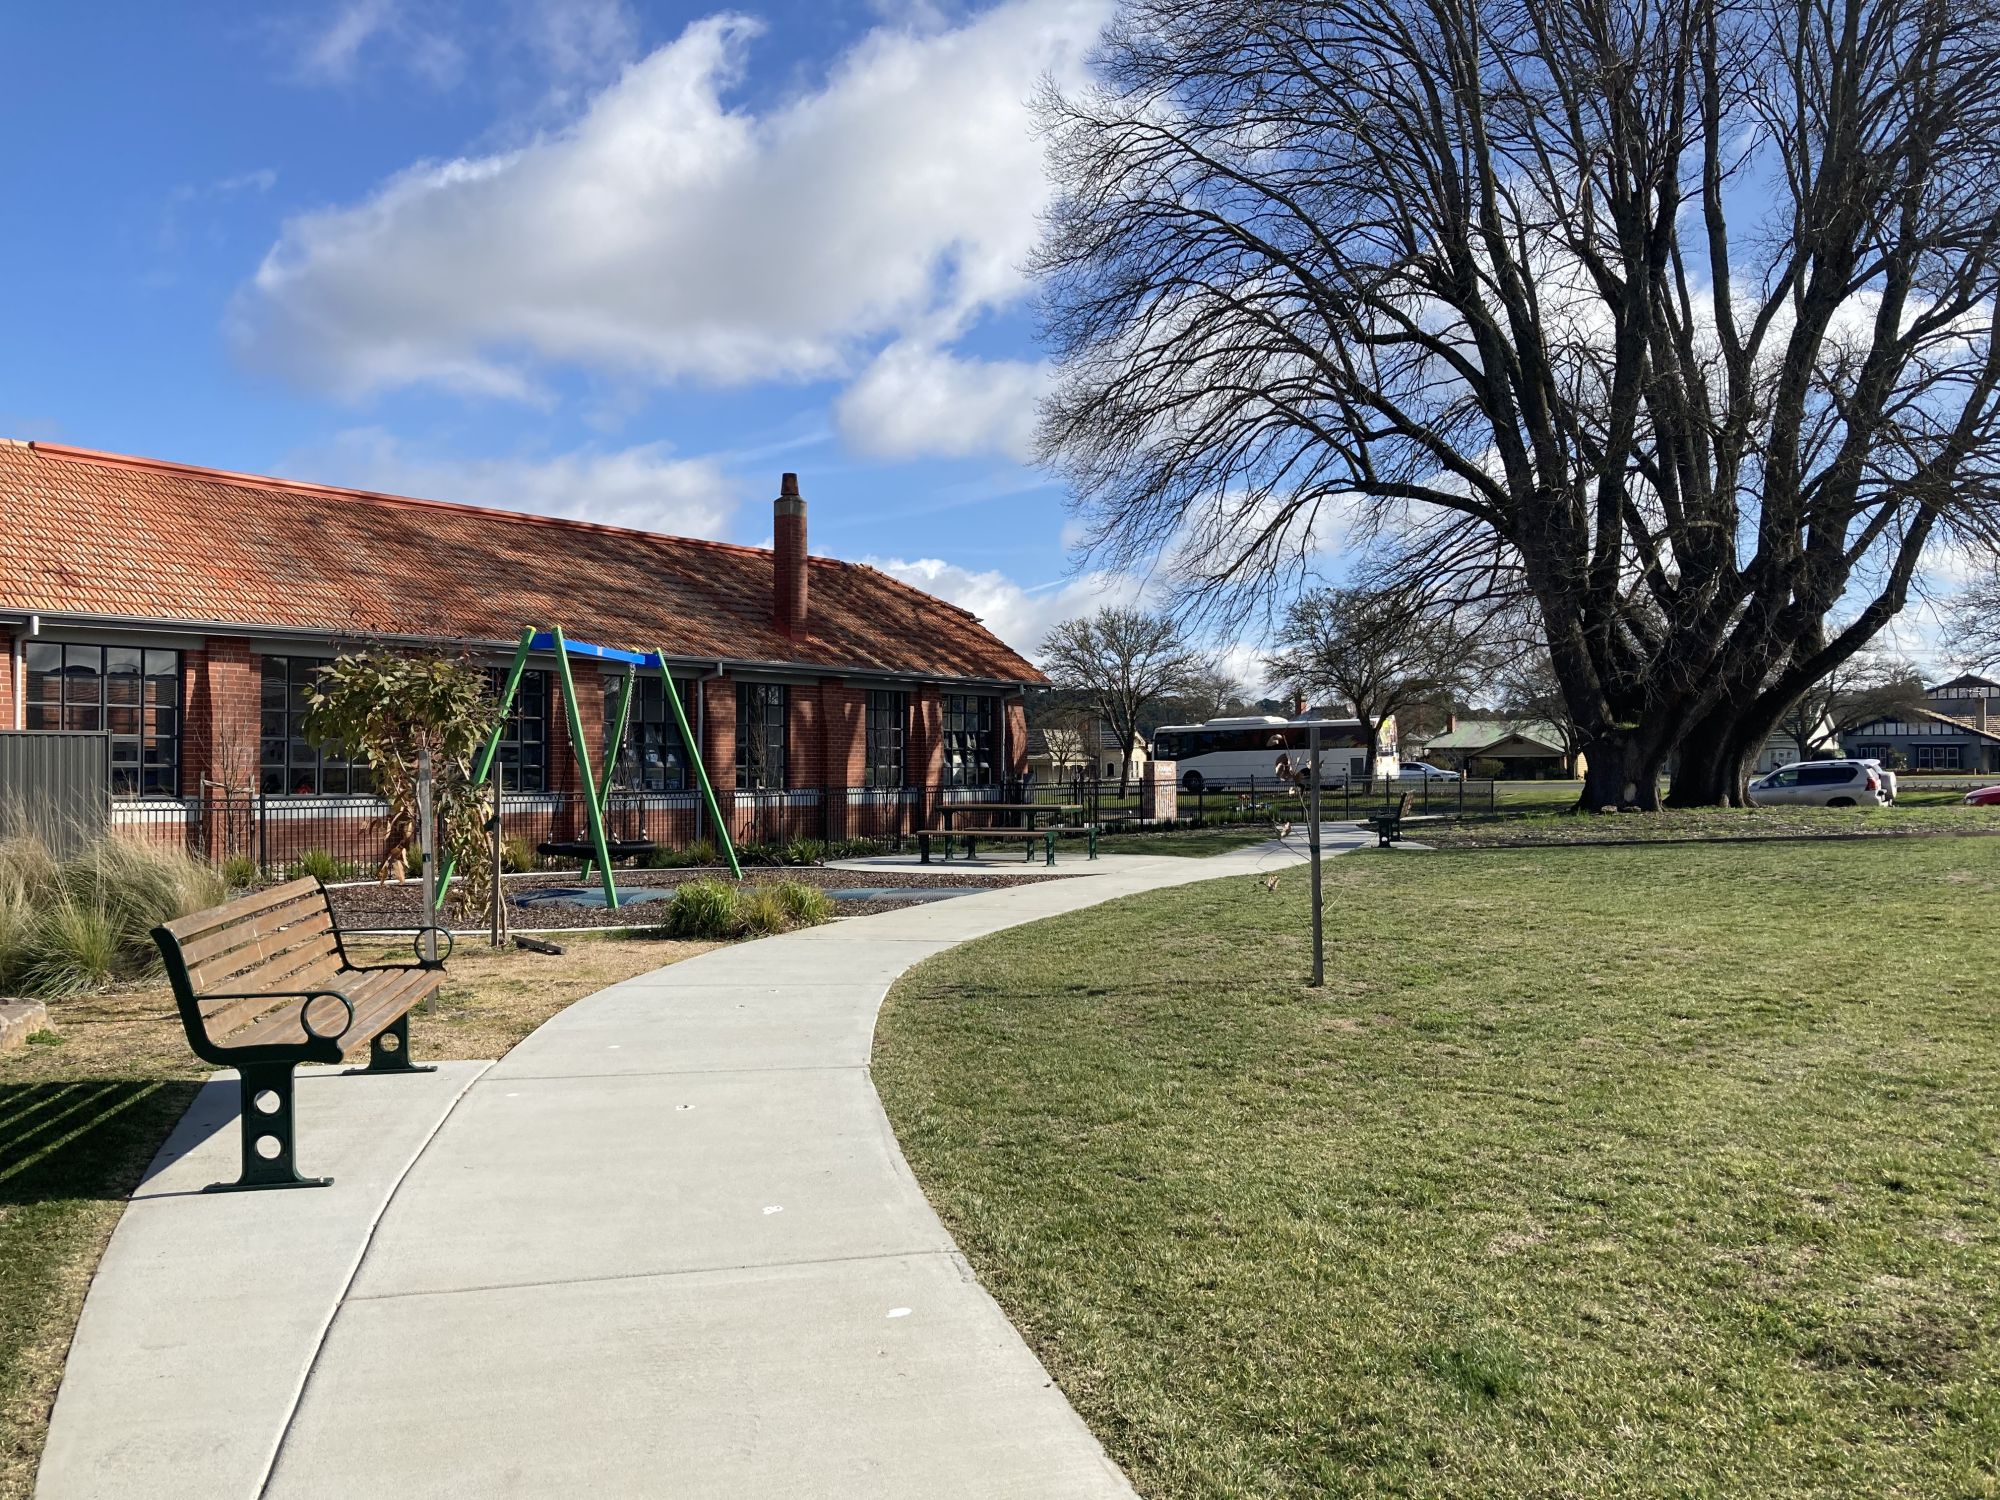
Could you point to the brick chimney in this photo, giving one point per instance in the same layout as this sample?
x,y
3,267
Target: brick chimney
x,y
788,557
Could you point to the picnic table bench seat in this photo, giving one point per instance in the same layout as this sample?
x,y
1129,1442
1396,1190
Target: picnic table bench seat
x,y
263,983
970,837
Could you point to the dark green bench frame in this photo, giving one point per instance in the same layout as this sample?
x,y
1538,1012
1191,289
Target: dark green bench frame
x,y
258,982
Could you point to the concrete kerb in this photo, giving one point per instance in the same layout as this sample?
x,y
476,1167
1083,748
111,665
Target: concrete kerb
x,y
669,1240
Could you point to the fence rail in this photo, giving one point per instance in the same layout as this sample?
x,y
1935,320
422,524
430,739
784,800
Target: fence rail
x,y
278,833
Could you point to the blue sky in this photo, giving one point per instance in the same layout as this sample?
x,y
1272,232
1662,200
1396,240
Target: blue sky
x,y
599,258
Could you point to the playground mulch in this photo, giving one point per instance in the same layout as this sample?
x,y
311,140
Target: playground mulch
x,y
399,907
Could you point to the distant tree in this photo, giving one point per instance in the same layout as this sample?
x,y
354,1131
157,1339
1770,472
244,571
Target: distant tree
x,y
1121,662
1975,621
1530,689
384,708
1864,688
1372,650
1213,692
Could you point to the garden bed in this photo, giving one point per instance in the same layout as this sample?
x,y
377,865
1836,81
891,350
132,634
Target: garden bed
x,y
400,907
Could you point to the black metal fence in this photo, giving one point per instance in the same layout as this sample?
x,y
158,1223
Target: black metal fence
x,y
352,835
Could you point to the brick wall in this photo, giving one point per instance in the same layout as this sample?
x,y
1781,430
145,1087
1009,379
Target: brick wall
x,y
222,700
9,709
1016,740
718,739
923,755
843,716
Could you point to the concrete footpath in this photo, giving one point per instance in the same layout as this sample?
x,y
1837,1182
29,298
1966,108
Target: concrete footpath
x,y
666,1247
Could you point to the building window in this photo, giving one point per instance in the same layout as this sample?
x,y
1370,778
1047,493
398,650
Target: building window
x,y
971,748
654,758
760,736
888,717
1937,757
131,693
523,762
289,764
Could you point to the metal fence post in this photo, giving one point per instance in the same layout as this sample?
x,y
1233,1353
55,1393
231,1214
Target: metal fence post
x,y
1312,841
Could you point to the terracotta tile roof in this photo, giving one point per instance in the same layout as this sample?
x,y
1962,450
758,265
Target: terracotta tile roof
x,y
103,534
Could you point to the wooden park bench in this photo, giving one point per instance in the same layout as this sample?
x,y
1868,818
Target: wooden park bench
x,y
264,984
1046,837
1388,823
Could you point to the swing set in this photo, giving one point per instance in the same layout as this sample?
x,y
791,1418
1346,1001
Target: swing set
x,y
598,849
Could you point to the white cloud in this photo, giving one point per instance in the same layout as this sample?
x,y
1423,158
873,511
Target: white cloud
x,y
332,52
669,232
918,400
645,487
1019,616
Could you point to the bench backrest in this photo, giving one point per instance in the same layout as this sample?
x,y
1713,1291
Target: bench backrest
x,y
278,939
1403,805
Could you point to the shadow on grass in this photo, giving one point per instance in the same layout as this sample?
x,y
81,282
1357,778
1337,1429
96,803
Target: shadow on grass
x,y
84,1138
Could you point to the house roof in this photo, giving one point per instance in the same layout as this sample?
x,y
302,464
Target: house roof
x,y
1968,685
1903,716
1474,735
145,540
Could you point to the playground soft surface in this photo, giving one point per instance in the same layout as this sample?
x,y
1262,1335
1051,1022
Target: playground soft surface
x,y
1609,1172
82,1112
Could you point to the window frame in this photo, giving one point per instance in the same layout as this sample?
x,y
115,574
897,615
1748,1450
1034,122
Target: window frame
x,y
973,731
770,702
510,756
290,710
157,722
886,735
648,695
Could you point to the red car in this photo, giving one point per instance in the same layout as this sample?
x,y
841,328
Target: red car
x,y
1986,796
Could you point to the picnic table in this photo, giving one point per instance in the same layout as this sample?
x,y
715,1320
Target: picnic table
x,y
1028,810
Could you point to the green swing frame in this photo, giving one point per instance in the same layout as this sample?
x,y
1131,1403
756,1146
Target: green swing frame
x,y
596,787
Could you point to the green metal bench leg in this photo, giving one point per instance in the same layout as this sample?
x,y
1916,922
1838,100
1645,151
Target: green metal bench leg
x,y
1048,848
390,1052
1093,842
923,848
270,1083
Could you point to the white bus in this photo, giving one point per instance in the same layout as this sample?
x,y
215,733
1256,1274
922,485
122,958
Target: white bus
x,y
1234,752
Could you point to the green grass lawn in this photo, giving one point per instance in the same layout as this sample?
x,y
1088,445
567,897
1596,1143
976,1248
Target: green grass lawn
x,y
1929,814
1185,841
1611,1172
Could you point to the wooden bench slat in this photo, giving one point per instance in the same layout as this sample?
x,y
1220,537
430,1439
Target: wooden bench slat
x,y
377,1007
214,970
226,1016
234,911
290,924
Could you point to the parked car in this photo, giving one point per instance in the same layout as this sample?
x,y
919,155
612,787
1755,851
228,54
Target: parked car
x,y
1423,770
1888,777
1985,796
1822,783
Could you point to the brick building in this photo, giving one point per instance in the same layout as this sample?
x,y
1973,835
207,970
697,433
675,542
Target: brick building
x,y
181,610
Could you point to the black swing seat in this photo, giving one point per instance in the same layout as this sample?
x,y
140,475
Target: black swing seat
x,y
584,849
263,984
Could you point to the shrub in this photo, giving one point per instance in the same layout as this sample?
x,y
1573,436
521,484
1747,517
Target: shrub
x,y
134,889
239,872
702,909
517,854
319,863
761,910
805,905
70,946
802,852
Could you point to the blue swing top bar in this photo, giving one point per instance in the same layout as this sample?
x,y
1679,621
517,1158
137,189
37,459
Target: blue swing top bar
x,y
545,641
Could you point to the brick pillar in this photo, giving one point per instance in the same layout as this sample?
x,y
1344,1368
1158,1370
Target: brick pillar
x,y
844,729
923,757
221,719
1015,737
718,741
9,703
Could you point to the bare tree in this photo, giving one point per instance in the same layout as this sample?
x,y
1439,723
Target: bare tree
x,y
1212,691
1673,317
1530,689
1862,689
1374,652
1975,622
1121,662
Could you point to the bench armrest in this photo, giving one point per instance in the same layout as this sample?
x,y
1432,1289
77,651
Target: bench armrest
x,y
417,943
305,999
